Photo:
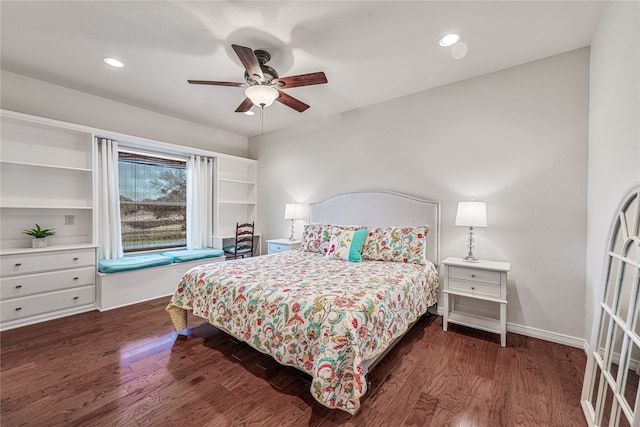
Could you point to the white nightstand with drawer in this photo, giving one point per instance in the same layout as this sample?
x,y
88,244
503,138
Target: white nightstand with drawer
x,y
275,246
483,280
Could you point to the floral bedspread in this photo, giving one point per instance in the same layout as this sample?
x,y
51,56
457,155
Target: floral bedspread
x,y
323,316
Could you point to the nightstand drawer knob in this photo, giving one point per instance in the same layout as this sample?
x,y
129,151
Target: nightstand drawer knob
x,y
18,286
76,297
473,288
18,308
473,275
76,258
18,264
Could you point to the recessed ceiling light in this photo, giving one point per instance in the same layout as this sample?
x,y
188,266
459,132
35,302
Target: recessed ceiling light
x,y
113,62
449,40
249,113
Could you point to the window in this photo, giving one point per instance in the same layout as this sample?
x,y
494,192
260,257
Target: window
x,y
153,202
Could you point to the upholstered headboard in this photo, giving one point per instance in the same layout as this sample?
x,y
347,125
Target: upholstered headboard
x,y
381,208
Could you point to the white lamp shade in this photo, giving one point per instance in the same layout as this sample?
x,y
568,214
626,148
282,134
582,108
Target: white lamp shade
x,y
262,96
293,211
472,214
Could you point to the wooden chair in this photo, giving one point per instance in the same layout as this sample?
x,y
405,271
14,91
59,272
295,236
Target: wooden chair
x,y
244,242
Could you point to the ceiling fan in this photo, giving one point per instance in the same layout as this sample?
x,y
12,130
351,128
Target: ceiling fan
x,y
262,83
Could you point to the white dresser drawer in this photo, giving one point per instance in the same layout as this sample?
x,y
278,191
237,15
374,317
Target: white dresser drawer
x,y
17,308
43,261
474,288
475,274
28,284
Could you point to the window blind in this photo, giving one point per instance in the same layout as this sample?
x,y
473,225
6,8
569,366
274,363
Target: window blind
x,y
153,201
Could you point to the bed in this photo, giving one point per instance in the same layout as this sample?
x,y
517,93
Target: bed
x,y
319,310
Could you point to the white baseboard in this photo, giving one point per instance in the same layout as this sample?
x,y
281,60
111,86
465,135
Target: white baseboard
x,y
529,331
5,326
547,335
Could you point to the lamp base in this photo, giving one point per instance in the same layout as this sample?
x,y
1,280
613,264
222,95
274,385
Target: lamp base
x,y
291,235
470,257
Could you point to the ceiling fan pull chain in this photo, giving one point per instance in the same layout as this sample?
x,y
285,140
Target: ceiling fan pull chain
x,y
262,119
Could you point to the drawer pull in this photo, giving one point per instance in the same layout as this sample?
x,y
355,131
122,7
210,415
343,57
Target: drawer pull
x,y
18,286
76,258
473,275
76,297
75,278
473,288
18,264
18,308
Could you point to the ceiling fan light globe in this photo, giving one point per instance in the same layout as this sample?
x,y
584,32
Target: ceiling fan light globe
x,y
261,96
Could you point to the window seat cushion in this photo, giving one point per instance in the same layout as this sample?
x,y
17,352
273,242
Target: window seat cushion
x,y
132,263
185,255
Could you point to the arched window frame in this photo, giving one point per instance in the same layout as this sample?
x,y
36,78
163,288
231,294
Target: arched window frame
x,y
610,395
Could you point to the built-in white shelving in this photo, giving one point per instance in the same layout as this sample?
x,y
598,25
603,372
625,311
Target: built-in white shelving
x,y
46,178
236,196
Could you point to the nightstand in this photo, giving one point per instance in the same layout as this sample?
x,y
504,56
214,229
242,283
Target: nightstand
x,y
483,280
275,246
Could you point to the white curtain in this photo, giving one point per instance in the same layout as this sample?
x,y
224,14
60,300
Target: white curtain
x,y
108,203
199,201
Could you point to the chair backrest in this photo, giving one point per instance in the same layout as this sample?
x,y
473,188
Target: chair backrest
x,y
244,237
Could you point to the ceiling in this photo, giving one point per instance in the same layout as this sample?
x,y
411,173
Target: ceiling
x,y
371,51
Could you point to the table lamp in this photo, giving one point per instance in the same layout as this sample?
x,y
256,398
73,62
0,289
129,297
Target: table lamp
x,y
471,214
293,211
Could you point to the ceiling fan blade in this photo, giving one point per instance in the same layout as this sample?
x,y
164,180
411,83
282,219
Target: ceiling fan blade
x,y
303,80
244,106
249,60
292,102
208,82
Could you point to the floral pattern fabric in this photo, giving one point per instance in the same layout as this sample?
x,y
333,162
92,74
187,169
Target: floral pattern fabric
x,y
346,244
326,317
315,237
397,244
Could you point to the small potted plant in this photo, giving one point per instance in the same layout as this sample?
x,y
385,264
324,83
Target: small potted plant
x,y
39,236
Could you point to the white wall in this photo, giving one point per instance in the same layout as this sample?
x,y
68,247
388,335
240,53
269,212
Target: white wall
x,y
39,98
516,138
614,135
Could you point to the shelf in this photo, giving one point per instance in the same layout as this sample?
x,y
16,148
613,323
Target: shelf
x,y
28,142
235,202
474,296
236,170
39,165
475,321
237,181
65,207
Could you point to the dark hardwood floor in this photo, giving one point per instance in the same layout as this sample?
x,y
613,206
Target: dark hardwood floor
x,y
128,367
